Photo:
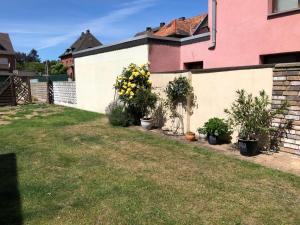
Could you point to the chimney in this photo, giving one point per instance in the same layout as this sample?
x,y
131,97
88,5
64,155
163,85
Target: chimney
x,y
182,18
148,29
162,24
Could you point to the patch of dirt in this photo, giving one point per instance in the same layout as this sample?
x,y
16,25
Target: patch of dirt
x,y
9,113
30,116
283,161
2,122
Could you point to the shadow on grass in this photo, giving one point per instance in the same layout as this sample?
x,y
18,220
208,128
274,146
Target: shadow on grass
x,y
10,202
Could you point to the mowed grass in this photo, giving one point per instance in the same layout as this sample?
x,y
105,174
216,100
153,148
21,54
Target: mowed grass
x,y
73,168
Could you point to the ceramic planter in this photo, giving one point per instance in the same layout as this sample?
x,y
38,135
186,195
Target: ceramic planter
x,y
212,140
190,136
202,136
248,147
147,124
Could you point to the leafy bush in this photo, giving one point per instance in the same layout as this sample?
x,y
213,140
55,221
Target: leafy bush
x,y
133,79
217,127
178,91
57,69
254,116
118,115
135,91
142,104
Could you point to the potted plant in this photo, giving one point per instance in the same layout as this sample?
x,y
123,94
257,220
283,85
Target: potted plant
x,y
202,133
144,102
254,116
134,90
190,136
217,131
180,95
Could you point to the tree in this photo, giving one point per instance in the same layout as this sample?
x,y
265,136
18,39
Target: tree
x,y
21,57
33,56
58,68
35,67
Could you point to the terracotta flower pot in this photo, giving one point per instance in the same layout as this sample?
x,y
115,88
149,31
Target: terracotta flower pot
x,y
190,136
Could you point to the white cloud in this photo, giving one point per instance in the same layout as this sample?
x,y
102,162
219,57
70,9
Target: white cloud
x,y
41,35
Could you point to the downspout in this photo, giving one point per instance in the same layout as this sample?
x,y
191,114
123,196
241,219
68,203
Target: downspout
x,y
214,26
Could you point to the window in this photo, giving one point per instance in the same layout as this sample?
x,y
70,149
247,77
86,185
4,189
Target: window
x,y
285,5
193,65
281,58
4,61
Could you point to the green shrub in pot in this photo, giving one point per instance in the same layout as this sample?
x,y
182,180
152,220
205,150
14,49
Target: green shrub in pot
x,y
253,116
217,130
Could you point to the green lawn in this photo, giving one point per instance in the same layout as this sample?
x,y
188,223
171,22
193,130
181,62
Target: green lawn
x,y
73,168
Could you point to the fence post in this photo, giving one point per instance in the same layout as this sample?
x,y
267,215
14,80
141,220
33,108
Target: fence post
x,y
13,91
29,89
50,93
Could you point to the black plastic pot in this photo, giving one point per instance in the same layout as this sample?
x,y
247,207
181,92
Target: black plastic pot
x,y
212,140
248,147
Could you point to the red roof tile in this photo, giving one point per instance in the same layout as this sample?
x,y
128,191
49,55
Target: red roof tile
x,y
181,27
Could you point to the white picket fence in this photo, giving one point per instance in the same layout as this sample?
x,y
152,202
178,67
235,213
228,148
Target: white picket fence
x,y
64,93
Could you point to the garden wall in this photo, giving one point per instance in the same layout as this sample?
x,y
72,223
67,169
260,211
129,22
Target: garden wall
x,y
96,75
286,86
39,91
64,93
216,89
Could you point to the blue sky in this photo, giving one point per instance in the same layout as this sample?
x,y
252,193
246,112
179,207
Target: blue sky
x,y
50,26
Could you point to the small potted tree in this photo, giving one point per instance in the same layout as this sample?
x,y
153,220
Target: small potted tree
x,y
217,131
253,116
180,94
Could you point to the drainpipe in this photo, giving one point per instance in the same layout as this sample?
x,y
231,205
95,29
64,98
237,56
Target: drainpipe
x,y
214,26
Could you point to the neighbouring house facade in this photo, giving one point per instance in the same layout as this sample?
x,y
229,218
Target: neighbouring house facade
x,y
85,41
235,46
232,34
245,33
7,54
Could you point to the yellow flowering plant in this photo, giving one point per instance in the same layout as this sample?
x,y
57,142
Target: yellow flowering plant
x,y
134,89
132,79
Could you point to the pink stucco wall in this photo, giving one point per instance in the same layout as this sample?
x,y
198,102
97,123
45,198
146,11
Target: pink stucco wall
x,y
164,57
244,32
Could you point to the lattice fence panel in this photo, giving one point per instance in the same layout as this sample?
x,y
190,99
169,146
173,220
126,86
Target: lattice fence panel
x,y
22,90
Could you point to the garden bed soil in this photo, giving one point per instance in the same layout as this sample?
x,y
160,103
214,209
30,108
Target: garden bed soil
x,y
282,161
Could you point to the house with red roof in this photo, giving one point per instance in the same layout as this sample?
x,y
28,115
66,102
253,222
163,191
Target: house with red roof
x,y
185,27
86,41
231,34
180,28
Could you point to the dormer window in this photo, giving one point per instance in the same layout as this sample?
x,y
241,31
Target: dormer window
x,y
285,5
